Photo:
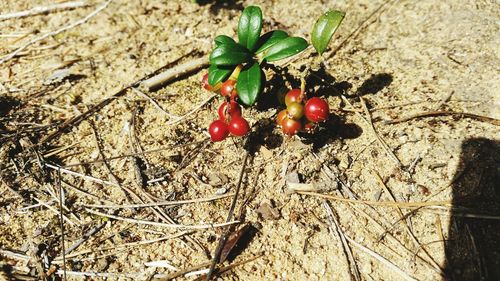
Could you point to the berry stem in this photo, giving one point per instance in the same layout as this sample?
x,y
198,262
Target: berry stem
x,y
236,72
302,87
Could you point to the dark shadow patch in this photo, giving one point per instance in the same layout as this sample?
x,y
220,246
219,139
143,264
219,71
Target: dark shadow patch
x,y
324,84
334,128
473,247
375,84
217,5
7,104
263,134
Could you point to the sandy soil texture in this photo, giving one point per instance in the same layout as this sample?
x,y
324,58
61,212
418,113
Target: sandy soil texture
x,y
405,175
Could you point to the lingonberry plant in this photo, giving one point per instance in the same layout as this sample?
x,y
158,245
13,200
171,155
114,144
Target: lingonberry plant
x,y
236,70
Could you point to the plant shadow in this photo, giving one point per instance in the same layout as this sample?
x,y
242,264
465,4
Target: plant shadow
x,y
375,84
217,5
325,85
332,129
472,249
7,103
264,134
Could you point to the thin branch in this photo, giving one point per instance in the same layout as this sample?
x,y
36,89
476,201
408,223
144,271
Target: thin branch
x,y
125,245
157,204
191,111
174,73
169,225
486,119
335,225
61,222
80,175
381,259
380,140
44,9
155,104
407,205
407,226
55,32
136,154
225,236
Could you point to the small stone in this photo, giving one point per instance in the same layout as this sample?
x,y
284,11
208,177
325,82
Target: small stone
x,y
221,191
266,211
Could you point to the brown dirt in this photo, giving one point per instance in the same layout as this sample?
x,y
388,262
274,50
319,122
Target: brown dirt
x,y
405,58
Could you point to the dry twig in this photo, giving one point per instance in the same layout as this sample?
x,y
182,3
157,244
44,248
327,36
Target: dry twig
x,y
380,140
486,119
380,259
225,236
160,224
407,226
406,205
44,9
174,73
55,32
335,225
158,204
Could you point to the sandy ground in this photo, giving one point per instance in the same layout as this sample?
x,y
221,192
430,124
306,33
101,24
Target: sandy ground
x,y
402,58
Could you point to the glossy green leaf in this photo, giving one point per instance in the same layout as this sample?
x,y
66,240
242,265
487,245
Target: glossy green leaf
x,y
249,85
223,39
230,54
250,26
269,39
218,74
285,48
324,28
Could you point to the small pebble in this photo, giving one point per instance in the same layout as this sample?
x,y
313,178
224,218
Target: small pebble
x,y
221,191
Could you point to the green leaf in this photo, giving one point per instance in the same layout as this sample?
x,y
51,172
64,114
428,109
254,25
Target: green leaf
x,y
269,39
249,85
223,39
285,48
230,54
250,26
324,28
218,74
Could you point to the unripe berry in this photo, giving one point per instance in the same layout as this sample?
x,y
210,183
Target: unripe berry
x,y
295,110
290,127
281,116
293,96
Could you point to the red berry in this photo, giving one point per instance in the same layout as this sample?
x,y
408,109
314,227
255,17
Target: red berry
x,y
238,126
205,84
234,109
290,127
218,131
308,126
222,111
293,96
316,110
295,110
227,87
281,116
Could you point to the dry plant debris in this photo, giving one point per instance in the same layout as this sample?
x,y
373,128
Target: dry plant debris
x,y
106,169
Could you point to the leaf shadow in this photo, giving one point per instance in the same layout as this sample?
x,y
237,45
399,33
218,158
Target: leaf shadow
x,y
335,128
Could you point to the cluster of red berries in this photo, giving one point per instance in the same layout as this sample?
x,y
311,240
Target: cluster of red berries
x,y
301,115
230,119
